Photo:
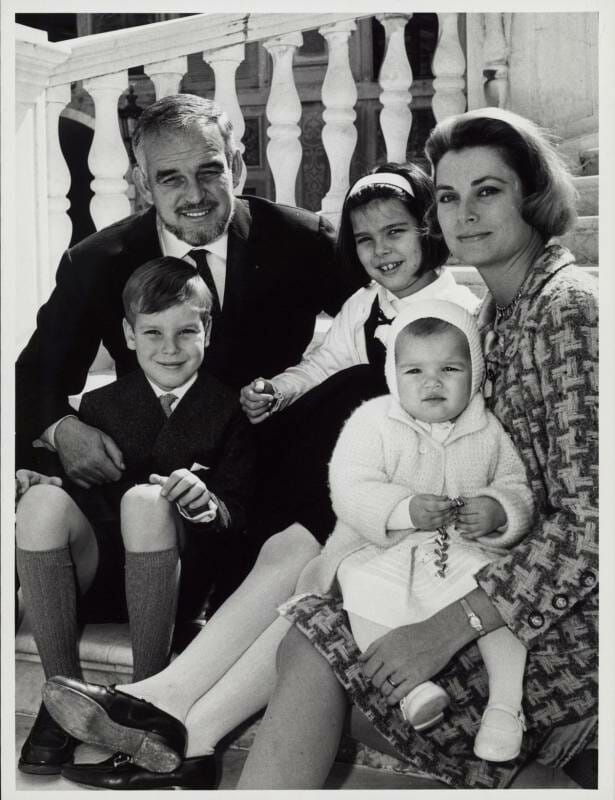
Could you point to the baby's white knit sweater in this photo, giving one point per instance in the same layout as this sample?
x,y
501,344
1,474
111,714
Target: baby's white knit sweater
x,y
383,456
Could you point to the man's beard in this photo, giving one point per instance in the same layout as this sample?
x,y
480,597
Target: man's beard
x,y
200,238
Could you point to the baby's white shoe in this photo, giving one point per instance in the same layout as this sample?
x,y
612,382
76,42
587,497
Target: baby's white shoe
x,y
423,706
500,739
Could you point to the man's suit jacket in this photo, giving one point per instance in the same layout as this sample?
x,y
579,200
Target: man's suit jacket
x,y
207,427
280,274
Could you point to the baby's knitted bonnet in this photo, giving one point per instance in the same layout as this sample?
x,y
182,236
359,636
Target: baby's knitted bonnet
x,y
449,312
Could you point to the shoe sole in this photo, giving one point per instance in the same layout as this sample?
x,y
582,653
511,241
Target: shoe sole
x,y
174,786
88,721
497,758
39,769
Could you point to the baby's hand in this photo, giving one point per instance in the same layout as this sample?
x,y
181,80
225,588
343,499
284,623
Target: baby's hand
x,y
479,516
430,511
25,478
256,399
184,488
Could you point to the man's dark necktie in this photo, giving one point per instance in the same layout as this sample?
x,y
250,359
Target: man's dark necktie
x,y
200,258
166,401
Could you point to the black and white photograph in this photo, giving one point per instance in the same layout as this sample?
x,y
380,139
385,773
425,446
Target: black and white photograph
x,y
301,453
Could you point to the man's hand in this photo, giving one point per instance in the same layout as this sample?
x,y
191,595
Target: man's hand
x,y
479,516
87,454
25,478
256,399
184,488
430,511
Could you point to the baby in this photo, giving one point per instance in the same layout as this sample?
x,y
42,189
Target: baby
x,y
428,488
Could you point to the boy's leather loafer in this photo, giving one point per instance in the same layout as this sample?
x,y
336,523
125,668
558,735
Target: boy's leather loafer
x,y
102,716
120,772
47,747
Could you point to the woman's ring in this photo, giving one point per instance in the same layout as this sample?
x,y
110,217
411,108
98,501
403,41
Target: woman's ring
x,y
392,682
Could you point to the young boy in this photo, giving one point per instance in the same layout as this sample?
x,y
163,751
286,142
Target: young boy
x,y
187,455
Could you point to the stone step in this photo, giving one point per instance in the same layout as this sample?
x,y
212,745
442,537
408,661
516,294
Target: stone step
x,y
590,161
587,187
230,764
104,652
582,241
106,657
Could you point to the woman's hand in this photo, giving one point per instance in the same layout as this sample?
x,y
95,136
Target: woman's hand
x,y
415,653
256,399
408,656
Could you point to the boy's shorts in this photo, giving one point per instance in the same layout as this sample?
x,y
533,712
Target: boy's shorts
x,y
105,599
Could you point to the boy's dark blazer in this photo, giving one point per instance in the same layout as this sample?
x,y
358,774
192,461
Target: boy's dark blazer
x,y
207,427
281,274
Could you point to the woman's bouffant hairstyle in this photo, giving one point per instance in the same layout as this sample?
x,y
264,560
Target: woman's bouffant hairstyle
x,y
549,196
434,251
162,283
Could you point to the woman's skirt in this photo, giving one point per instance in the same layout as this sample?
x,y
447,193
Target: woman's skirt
x,y
446,750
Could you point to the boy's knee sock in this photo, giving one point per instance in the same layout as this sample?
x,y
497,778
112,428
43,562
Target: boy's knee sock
x,y
48,585
152,583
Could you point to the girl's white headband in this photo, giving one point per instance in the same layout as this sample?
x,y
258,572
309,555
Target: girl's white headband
x,y
383,179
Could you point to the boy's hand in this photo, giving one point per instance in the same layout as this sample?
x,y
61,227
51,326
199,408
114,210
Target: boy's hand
x,y
430,511
25,478
184,488
256,399
87,454
479,516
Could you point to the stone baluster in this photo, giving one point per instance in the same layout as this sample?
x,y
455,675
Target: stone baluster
x,y
496,55
448,67
284,112
339,95
58,178
167,75
224,63
108,160
395,79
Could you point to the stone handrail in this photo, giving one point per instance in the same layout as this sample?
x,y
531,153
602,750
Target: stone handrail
x,y
102,53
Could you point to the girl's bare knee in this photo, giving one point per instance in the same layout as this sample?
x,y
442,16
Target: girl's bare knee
x,y
294,545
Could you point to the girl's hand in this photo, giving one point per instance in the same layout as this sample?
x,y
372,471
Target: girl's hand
x,y
256,399
430,511
479,516
25,478
184,488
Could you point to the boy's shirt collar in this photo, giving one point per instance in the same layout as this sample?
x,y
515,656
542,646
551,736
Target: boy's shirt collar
x,y
179,391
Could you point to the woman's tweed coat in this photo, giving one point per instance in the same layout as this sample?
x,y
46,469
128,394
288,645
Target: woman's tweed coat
x,y
543,373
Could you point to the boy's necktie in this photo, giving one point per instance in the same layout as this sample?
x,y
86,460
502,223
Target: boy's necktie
x,y
200,258
166,401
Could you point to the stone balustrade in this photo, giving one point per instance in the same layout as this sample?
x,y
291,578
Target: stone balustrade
x,y
45,72
478,59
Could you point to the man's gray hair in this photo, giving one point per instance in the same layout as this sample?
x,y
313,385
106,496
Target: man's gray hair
x,y
176,112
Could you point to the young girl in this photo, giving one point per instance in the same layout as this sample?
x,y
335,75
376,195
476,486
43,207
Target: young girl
x,y
384,246
428,488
